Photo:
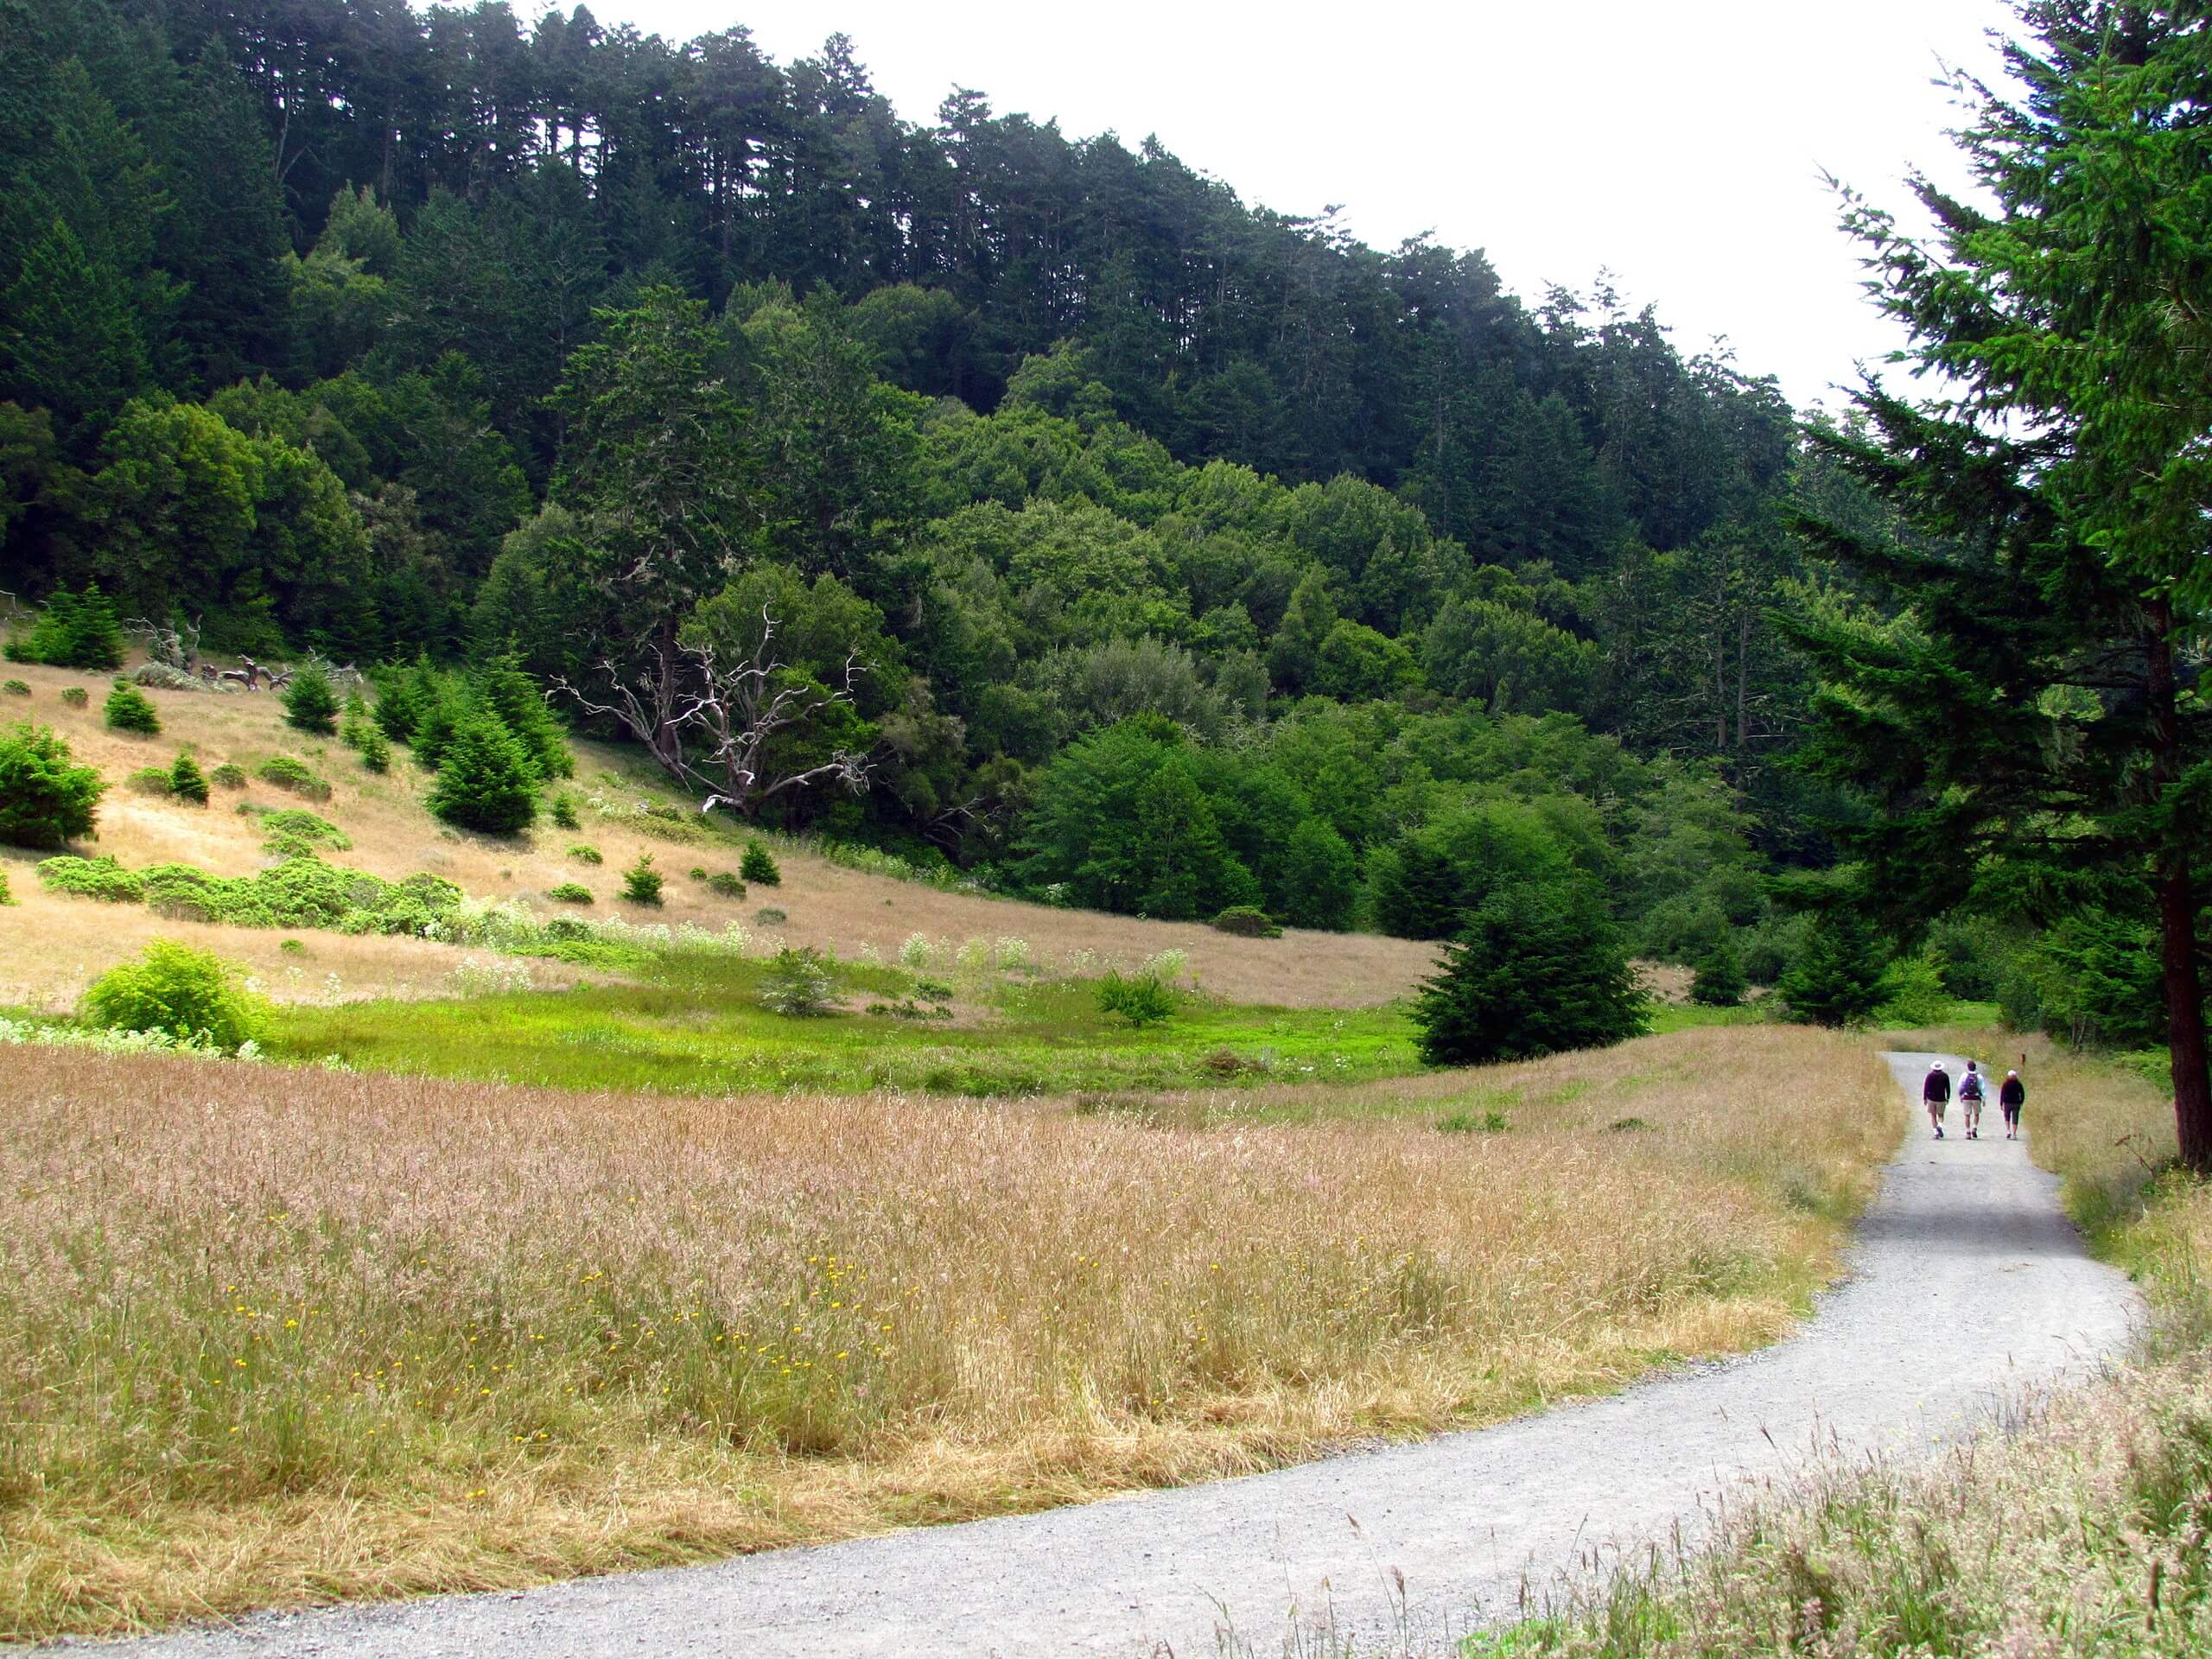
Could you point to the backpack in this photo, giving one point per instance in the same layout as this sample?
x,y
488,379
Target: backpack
x,y
1970,1086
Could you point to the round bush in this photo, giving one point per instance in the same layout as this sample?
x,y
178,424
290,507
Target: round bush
x,y
76,696
1247,922
45,800
194,995
287,773
570,893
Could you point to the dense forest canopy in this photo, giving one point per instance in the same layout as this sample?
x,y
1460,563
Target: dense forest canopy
x,y
1151,549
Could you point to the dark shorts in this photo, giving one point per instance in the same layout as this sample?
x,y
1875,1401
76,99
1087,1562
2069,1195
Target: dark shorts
x,y
2012,1111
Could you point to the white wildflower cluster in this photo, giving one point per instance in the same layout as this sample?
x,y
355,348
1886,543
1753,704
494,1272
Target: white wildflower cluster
x,y
34,1034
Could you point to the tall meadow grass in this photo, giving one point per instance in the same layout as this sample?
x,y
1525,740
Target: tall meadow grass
x,y
270,1335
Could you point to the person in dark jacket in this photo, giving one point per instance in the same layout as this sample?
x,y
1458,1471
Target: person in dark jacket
x,y
1936,1094
2011,1095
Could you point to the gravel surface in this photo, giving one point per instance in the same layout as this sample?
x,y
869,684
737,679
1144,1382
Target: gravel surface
x,y
1967,1284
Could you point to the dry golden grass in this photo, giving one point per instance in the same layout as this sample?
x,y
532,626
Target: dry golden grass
x,y
272,1336
50,948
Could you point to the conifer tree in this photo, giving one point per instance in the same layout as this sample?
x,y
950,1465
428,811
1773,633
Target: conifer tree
x,y
2028,738
485,780
1540,970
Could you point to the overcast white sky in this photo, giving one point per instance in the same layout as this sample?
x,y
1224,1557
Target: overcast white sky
x,y
1679,144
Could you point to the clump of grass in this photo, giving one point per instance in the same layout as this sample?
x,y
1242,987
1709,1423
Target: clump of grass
x,y
897,1302
287,773
725,884
14,688
770,915
1142,998
227,776
570,893
149,780
584,854
76,696
1490,1123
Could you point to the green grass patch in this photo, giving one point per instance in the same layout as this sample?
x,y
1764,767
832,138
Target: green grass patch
x,y
700,1028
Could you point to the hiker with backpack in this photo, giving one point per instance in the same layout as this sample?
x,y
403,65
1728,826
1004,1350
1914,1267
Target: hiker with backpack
x,y
1936,1094
1970,1094
2011,1095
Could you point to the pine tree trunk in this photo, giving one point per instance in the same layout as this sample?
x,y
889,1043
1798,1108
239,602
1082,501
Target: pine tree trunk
x,y
2177,899
2184,991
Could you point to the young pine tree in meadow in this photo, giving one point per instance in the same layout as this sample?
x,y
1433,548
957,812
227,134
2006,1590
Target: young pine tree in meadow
x,y
1539,969
485,780
128,709
310,704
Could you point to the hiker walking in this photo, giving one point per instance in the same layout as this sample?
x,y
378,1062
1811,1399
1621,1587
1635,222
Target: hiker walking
x,y
1936,1094
1970,1094
2011,1094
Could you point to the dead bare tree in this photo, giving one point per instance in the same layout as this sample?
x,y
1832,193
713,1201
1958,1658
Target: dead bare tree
x,y
178,645
709,720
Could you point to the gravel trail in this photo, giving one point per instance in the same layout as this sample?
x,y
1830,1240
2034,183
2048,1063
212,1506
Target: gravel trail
x,y
1966,1284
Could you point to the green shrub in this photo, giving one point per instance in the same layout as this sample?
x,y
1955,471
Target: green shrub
x,y
770,916
585,853
1913,995
570,893
91,878
728,885
1247,922
641,882
74,631
76,696
227,776
758,865
188,782
301,831
376,751
128,710
485,780
194,995
310,704
286,773
1539,970
798,983
6,898
46,800
1718,982
15,688
563,811
1142,1000
149,780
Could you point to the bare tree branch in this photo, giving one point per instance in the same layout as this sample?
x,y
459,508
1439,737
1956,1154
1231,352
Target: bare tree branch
x,y
709,722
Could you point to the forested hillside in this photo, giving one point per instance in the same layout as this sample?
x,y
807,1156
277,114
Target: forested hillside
x,y
1029,498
